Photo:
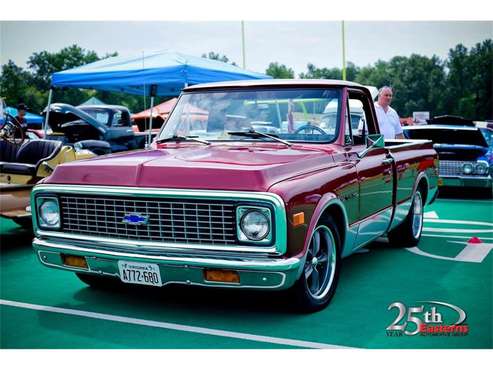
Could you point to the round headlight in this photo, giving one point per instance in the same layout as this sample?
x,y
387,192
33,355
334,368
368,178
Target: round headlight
x,y
481,169
49,213
255,225
467,168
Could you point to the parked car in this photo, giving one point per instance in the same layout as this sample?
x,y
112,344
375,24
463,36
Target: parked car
x,y
25,159
117,116
466,158
109,115
72,125
222,206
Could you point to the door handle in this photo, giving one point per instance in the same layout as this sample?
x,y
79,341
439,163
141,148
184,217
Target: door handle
x,y
387,160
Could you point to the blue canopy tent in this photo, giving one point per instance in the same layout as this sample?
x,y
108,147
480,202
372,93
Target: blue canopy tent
x,y
163,73
169,71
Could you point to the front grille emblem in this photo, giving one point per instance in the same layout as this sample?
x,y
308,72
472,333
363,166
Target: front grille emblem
x,y
135,219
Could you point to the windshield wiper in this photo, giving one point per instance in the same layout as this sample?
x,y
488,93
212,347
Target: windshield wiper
x,y
178,138
255,134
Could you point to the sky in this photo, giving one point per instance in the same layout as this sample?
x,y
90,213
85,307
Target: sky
x,y
293,43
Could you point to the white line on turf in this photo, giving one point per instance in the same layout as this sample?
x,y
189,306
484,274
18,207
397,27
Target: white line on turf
x,y
458,231
171,326
459,222
474,252
430,214
453,236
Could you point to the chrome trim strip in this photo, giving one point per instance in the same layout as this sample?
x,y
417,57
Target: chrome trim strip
x,y
279,246
139,246
369,229
462,177
355,223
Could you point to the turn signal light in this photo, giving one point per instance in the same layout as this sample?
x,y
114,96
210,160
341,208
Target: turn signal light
x,y
298,218
74,261
223,276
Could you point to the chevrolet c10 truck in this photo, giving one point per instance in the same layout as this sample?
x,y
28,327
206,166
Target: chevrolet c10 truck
x,y
270,192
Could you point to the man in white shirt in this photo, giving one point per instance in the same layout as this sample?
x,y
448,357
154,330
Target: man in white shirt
x,y
387,117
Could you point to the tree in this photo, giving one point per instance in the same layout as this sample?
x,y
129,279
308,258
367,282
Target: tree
x,y
217,56
418,82
13,83
43,64
331,73
314,72
277,70
481,78
470,80
31,86
462,84
458,99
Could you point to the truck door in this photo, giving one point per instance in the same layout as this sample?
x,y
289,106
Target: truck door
x,y
374,171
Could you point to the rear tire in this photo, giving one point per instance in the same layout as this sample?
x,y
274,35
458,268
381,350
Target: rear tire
x,y
408,233
318,281
98,281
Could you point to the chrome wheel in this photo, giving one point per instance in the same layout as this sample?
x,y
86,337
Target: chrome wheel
x,y
320,265
417,222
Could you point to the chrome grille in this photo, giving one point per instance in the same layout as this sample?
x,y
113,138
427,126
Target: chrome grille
x,y
453,168
169,220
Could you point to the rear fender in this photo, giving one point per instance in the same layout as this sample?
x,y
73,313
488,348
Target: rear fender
x,y
401,210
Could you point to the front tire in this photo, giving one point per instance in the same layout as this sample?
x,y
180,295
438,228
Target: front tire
x,y
408,233
318,281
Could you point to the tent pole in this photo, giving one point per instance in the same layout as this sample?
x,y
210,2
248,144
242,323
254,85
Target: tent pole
x,y
149,136
343,31
153,94
45,123
243,43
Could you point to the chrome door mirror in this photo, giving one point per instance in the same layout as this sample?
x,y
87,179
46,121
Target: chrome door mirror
x,y
372,141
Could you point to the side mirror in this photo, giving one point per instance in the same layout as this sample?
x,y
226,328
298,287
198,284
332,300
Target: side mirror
x,y
375,141
372,141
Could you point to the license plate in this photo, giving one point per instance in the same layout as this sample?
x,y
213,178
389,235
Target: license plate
x,y
139,273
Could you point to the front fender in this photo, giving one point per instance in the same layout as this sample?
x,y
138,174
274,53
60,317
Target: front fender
x,y
333,205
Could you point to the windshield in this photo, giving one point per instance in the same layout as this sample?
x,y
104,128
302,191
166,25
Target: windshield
x,y
101,115
307,115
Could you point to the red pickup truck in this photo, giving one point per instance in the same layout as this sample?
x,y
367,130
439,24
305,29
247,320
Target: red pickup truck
x,y
270,192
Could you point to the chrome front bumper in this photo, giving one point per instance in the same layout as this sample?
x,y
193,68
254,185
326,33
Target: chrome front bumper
x,y
467,181
255,272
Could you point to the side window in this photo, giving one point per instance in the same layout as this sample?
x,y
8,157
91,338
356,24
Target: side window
x,y
117,119
358,117
348,136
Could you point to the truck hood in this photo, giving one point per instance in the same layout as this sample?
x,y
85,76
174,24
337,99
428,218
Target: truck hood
x,y
188,166
61,113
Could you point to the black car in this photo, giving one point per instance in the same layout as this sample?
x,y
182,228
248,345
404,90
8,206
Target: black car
x,y
73,125
466,158
109,115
